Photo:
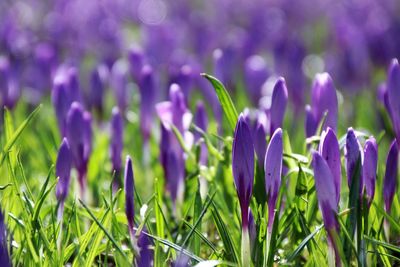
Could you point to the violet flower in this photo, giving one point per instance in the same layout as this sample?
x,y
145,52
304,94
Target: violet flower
x,y
97,87
330,152
393,95
390,180
278,105
352,153
323,99
119,84
117,143
243,174
63,170
369,168
9,89
136,60
255,75
325,187
129,187
273,173
4,256
61,101
73,84
147,88
79,134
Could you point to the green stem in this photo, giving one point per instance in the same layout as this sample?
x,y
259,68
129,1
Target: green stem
x,y
246,256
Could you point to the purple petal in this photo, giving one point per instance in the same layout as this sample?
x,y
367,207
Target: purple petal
x,y
330,152
369,167
393,91
243,166
136,60
129,186
324,98
273,172
325,186
119,83
175,174
4,256
145,257
97,87
390,180
74,87
260,138
63,170
278,104
310,122
147,98
61,102
352,153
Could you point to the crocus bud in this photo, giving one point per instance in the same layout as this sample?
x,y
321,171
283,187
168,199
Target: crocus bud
x,y
146,255
74,87
243,166
352,153
97,87
79,135
117,143
310,123
224,66
390,180
184,78
9,89
136,60
278,104
369,168
4,256
61,101
393,93
273,172
147,89
129,187
323,99
330,152
119,84
325,187
260,137
255,74
63,170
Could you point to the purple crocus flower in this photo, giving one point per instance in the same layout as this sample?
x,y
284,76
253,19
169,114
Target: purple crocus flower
x,y
97,87
4,256
260,137
243,166
330,152
390,180
278,105
61,101
184,78
146,255
243,174
117,143
325,187
393,95
136,60
273,172
369,168
255,74
9,90
63,170
352,153
129,186
74,87
147,89
323,99
79,134
119,84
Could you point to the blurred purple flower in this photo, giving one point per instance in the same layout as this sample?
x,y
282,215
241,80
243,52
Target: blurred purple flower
x,y
63,170
98,81
183,76
278,105
136,60
390,180
255,75
369,168
243,167
323,99
393,95
61,101
119,84
9,88
73,84
146,255
147,88
79,134
273,172
117,143
4,256
330,152
200,120
352,154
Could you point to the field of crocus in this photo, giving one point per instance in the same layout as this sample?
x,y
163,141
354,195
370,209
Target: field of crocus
x,y
199,133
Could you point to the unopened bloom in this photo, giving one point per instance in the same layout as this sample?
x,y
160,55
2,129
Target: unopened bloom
x,y
61,101
330,152
147,88
98,80
63,170
278,105
352,153
323,99
129,187
369,168
9,88
273,172
393,95
390,180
